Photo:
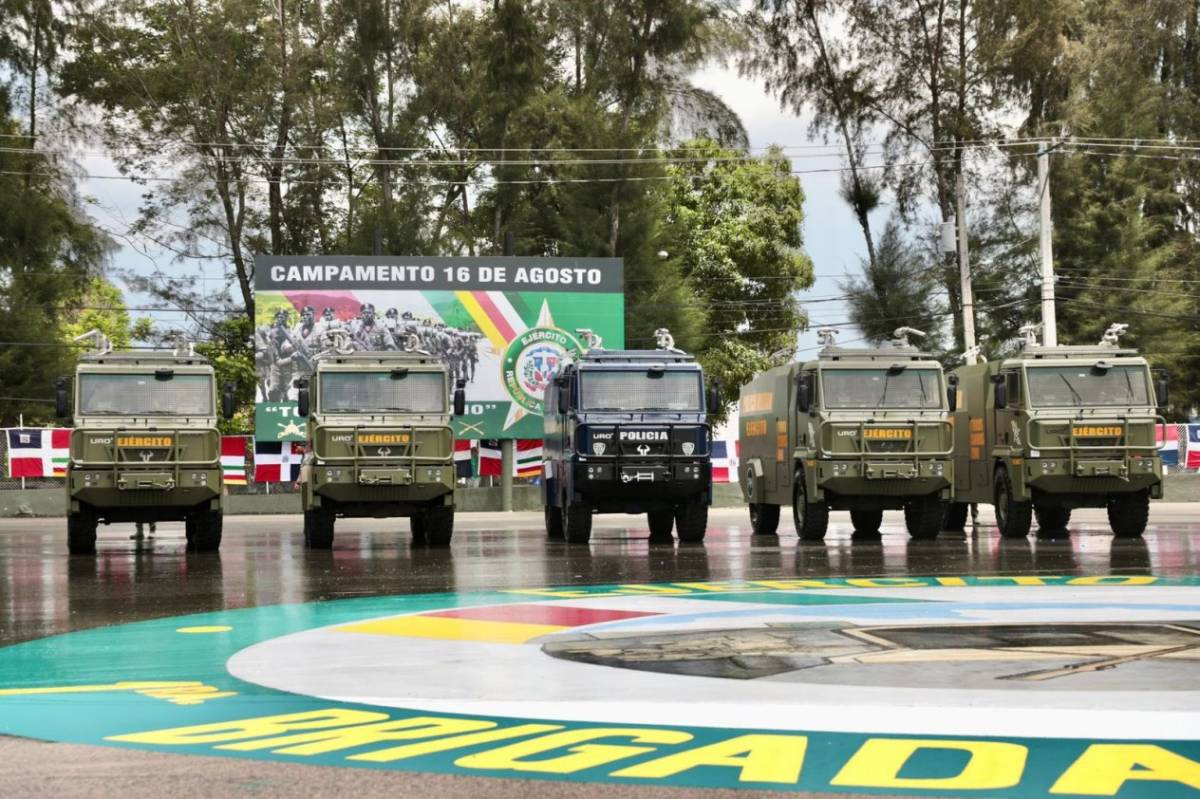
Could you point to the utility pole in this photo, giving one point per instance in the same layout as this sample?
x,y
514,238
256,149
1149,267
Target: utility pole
x,y
1046,247
964,274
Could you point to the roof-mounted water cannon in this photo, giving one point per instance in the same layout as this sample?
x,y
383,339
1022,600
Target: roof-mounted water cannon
x,y
97,339
826,336
590,339
900,336
1029,333
183,347
665,340
1112,336
338,340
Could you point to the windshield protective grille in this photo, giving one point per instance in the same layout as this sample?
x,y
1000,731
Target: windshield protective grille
x,y
145,395
881,388
1084,386
638,391
361,392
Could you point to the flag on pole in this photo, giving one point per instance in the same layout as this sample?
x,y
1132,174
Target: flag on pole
x,y
489,457
720,462
1167,438
462,458
277,461
38,453
233,459
528,461
1192,447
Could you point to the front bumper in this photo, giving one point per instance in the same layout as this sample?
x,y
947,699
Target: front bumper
x,y
383,482
1114,475
882,477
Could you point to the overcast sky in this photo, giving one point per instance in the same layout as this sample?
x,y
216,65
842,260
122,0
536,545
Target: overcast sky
x,y
831,236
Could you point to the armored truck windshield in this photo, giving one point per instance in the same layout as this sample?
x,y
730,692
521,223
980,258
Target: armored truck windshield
x,y
639,390
856,389
399,390
1082,386
161,393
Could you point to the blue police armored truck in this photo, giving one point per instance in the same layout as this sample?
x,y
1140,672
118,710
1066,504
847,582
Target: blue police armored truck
x,y
626,431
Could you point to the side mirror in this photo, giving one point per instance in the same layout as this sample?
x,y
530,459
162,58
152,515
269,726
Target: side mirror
x,y
952,393
302,398
60,398
564,394
713,400
1000,389
460,398
1161,384
803,393
227,400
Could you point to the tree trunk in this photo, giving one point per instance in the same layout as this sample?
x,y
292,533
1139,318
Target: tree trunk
x,y
275,168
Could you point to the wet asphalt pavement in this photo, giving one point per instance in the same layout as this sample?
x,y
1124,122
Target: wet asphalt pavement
x,y
263,561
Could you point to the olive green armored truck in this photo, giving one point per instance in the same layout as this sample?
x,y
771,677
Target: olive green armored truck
x,y
381,443
864,430
145,445
1056,428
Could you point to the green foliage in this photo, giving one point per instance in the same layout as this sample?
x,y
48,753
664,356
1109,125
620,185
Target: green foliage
x,y
731,230
231,351
896,292
102,307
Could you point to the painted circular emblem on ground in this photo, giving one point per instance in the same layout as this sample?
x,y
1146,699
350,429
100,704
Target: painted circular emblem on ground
x,y
1002,686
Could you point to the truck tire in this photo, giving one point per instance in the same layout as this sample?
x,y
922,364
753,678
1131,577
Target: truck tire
x,y
924,516
439,526
318,528
661,522
1052,518
691,522
1012,517
764,519
554,523
203,530
956,517
866,522
81,532
577,522
811,518
417,523
1129,513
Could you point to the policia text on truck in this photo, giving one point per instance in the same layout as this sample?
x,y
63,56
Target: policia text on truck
x,y
145,445
864,430
626,432
1056,428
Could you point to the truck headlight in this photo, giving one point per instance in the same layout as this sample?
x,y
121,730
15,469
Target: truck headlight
x,y
433,474
200,478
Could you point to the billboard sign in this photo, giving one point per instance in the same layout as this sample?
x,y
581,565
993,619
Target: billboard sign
x,y
501,324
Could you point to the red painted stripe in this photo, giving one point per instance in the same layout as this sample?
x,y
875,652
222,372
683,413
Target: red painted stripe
x,y
556,615
493,313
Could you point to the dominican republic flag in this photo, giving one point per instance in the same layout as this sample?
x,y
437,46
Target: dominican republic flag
x,y
277,461
1193,443
720,461
489,457
1167,437
528,461
233,459
462,458
38,453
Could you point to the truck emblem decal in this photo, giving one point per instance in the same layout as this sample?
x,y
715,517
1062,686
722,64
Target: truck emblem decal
x,y
643,449
385,451
1016,433
637,477
598,448
688,448
146,455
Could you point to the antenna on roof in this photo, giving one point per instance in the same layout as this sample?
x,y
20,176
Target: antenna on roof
x,y
1112,336
590,338
98,340
900,336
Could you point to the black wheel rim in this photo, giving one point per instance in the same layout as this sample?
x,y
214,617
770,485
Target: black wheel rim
x,y
1002,505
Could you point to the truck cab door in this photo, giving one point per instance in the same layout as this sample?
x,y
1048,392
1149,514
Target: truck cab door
x,y
1006,431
